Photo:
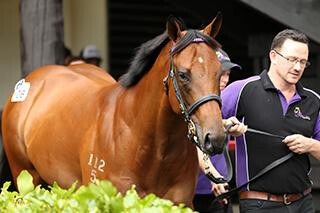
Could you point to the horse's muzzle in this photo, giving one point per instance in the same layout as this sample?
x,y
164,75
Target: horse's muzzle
x,y
213,144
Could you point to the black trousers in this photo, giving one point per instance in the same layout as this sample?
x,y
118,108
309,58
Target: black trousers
x,y
202,203
304,205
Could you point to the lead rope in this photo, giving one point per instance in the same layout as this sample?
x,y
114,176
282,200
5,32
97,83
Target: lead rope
x,y
206,161
262,172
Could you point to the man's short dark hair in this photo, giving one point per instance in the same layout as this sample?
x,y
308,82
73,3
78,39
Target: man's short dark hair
x,y
292,34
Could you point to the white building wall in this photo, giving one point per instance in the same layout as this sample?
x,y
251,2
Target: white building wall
x,y
85,23
9,48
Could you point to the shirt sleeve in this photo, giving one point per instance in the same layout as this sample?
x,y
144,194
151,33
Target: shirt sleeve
x,y
316,131
230,97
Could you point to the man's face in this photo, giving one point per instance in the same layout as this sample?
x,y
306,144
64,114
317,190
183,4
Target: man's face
x,y
291,60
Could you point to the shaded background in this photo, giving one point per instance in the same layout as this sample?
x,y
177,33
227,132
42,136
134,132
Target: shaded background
x,y
117,27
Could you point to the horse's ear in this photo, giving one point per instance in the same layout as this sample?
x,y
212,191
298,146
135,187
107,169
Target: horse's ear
x,y
174,28
213,28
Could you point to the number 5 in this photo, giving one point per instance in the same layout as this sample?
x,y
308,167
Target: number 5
x,y
93,177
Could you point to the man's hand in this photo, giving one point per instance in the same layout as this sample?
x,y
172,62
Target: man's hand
x,y
237,127
298,143
219,189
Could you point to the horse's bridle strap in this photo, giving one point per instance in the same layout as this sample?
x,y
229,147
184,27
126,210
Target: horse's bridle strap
x,y
204,99
190,37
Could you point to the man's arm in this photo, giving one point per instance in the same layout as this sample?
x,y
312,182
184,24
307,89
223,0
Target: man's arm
x,y
301,144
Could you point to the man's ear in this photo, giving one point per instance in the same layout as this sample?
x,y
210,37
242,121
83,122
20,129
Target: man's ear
x,y
272,56
214,27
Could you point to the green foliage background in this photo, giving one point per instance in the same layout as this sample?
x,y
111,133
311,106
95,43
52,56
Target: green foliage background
x,y
98,197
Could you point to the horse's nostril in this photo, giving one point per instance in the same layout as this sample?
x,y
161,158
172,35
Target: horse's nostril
x,y
213,144
208,142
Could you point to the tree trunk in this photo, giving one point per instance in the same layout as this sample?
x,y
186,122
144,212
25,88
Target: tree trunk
x,y
42,36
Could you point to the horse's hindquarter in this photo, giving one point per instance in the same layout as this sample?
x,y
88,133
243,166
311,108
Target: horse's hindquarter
x,y
59,118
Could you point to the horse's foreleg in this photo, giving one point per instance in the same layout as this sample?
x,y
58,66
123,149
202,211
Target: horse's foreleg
x,y
180,196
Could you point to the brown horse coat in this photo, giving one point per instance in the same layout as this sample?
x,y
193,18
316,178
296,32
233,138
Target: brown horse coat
x,y
78,123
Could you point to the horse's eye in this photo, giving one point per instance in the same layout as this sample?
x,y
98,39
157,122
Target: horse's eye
x,y
183,76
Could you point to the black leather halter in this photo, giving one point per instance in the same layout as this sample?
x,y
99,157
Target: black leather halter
x,y
191,36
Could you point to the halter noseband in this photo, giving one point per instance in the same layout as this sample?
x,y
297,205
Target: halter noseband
x,y
192,36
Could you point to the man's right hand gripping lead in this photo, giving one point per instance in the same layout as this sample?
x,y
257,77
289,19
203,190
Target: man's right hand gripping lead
x,y
234,127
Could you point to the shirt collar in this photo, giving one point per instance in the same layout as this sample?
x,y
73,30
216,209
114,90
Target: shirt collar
x,y
268,85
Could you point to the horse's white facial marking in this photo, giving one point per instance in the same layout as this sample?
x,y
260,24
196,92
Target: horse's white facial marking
x,y
201,61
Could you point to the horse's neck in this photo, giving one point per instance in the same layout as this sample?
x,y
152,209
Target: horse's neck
x,y
148,112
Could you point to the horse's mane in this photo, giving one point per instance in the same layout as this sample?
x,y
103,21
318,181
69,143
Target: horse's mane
x,y
143,60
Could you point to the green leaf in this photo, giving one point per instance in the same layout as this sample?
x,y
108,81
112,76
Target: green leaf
x,y
6,186
107,188
24,182
116,204
131,198
60,192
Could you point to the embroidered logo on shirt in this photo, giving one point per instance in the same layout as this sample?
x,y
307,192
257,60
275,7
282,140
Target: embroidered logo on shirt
x,y
298,114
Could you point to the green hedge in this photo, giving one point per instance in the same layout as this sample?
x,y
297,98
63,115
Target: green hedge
x,y
99,197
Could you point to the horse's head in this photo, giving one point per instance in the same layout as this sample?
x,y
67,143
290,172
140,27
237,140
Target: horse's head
x,y
194,91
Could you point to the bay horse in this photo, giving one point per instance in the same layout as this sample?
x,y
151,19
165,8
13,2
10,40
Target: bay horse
x,y
79,124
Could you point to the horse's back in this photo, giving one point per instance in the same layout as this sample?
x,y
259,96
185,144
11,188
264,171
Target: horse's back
x,y
61,106
56,87
93,72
